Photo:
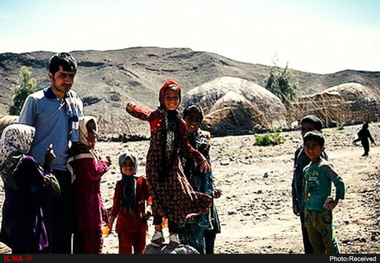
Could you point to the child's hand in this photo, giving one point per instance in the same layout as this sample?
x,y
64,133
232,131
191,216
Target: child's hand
x,y
109,160
295,208
106,159
147,215
130,106
110,224
205,166
190,216
331,205
217,193
48,180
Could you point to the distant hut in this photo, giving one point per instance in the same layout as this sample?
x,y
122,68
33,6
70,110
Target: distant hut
x,y
6,120
237,105
361,102
233,114
347,103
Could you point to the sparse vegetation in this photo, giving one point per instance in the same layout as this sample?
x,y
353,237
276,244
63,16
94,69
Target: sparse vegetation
x,y
282,83
339,126
26,86
268,138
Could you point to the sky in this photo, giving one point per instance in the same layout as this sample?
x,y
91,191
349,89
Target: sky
x,y
323,36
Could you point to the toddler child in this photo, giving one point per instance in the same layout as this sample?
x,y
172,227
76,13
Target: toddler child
x,y
129,206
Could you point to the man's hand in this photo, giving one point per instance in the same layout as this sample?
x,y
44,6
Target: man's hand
x,y
50,155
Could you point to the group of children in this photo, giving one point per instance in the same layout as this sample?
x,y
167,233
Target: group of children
x,y
177,186
178,172
313,176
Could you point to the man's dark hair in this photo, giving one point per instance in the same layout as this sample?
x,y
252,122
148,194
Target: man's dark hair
x,y
314,120
65,60
315,136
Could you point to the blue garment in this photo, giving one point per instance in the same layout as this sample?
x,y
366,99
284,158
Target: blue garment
x,y
192,232
53,119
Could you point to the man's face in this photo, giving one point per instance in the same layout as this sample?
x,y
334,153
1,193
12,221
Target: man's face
x,y
62,81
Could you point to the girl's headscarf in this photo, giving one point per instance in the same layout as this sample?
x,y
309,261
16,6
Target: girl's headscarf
x,y
128,185
83,133
15,142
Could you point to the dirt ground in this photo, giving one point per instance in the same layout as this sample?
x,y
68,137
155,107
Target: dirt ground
x,y
255,207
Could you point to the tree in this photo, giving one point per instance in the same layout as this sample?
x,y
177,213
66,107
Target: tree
x,y
282,84
26,86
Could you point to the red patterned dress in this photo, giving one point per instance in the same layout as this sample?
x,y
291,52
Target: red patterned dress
x,y
172,194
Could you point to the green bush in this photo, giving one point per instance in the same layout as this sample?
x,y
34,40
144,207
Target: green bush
x,y
26,86
269,139
340,126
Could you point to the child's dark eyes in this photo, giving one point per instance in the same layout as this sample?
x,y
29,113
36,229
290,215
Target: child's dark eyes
x,y
171,98
311,146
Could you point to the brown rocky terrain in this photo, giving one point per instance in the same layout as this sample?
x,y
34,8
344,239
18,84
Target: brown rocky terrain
x,y
107,79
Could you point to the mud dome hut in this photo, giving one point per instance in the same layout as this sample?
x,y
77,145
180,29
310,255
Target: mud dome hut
x,y
6,120
348,103
237,106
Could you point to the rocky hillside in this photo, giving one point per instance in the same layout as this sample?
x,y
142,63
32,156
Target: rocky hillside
x,y
107,79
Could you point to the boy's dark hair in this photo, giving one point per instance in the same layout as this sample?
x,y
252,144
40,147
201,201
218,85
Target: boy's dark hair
x,y
192,108
313,120
315,136
65,60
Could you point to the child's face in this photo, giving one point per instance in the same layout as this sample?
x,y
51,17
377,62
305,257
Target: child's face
x,y
128,167
313,150
171,99
193,121
91,133
306,127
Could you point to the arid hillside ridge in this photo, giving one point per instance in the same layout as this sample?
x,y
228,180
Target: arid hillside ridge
x,y
106,80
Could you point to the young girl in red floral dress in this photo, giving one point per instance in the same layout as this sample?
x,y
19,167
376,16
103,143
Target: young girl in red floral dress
x,y
172,195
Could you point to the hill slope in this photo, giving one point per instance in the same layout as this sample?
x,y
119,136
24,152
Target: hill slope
x,y
107,79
